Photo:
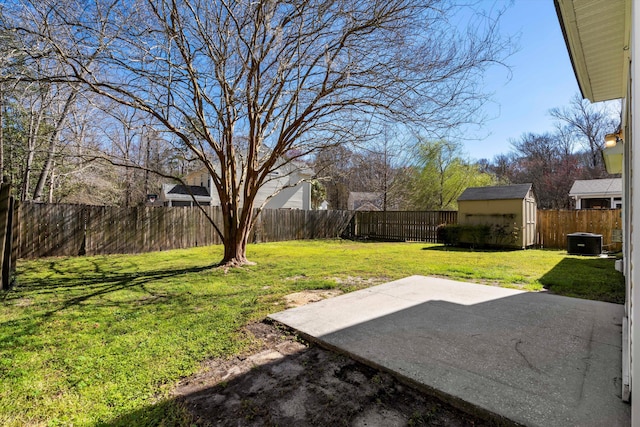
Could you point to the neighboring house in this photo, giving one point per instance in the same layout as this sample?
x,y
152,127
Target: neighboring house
x,y
511,208
290,182
181,195
597,193
603,41
365,201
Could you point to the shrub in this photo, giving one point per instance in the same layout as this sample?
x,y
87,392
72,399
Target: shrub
x,y
477,236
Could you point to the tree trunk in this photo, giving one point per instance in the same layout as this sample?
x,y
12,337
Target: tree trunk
x,y
237,228
235,245
32,136
44,174
52,182
235,252
1,132
27,173
51,152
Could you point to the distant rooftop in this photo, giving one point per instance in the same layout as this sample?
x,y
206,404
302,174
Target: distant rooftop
x,y
603,187
196,190
364,201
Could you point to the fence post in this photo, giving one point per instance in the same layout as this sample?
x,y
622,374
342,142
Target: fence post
x,y
8,266
6,226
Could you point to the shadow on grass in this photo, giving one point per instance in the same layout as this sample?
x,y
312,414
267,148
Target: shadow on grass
x,y
95,285
447,248
100,277
64,293
309,387
124,281
300,387
588,277
373,239
166,413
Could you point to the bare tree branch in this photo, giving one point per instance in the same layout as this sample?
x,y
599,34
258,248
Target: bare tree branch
x,y
242,83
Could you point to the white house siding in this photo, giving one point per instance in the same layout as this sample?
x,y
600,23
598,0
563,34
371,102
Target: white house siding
x,y
286,198
633,197
289,198
298,196
605,69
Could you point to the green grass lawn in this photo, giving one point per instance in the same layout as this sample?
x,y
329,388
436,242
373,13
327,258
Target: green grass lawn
x,y
102,340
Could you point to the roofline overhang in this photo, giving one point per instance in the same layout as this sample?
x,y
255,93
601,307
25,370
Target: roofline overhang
x,y
596,195
563,28
187,197
581,48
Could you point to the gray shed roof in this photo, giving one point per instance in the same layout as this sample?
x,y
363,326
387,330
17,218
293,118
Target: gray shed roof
x,y
604,187
499,192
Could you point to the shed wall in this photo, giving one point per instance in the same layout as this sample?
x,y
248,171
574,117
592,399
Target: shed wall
x,y
514,214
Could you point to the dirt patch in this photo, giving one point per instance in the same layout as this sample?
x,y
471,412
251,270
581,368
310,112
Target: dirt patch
x,y
360,282
287,382
305,297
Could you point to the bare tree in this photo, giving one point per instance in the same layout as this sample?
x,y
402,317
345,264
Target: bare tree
x,y
543,160
53,142
375,166
32,111
7,63
333,167
243,83
552,161
588,123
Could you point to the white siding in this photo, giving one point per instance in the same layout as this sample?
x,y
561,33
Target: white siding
x,y
297,197
633,233
290,198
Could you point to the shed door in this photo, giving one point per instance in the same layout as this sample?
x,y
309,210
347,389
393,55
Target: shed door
x,y
530,222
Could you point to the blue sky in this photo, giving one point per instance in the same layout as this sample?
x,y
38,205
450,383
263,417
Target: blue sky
x,y
542,78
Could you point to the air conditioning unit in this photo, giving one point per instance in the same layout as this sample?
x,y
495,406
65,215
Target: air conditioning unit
x,y
584,244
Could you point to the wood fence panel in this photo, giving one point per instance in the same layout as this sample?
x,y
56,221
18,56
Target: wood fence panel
x,y
69,230
554,225
97,231
401,225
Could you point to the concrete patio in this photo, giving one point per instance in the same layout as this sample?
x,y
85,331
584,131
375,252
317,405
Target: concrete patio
x,y
524,358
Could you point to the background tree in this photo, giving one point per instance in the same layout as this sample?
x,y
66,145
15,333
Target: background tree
x,y
541,160
318,194
588,124
552,161
72,147
333,167
371,168
377,165
240,84
442,174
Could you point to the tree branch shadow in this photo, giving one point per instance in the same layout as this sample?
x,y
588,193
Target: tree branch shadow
x,y
78,290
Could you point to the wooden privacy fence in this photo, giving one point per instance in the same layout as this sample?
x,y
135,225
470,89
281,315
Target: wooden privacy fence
x,y
68,230
400,225
41,230
554,225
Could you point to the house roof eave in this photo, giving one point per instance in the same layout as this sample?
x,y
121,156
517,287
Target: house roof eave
x,y
597,35
186,198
